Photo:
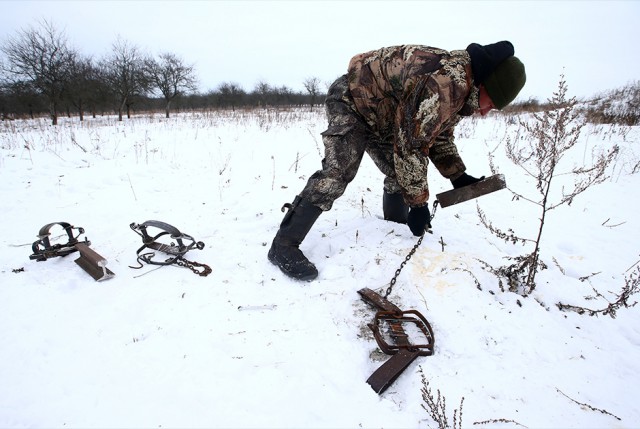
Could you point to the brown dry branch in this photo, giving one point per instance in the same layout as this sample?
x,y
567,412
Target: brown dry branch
x,y
494,421
437,407
630,288
442,243
587,277
517,273
475,279
588,406
509,236
631,267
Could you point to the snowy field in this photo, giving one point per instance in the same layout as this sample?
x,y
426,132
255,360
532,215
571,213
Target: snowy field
x,y
247,347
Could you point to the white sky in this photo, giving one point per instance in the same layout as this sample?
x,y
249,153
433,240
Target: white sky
x,y
594,43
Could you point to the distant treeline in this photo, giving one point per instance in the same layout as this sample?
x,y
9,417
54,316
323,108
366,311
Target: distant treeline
x,y
16,103
41,73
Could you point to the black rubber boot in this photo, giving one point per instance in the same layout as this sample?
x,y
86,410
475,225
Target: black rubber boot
x,y
294,228
394,208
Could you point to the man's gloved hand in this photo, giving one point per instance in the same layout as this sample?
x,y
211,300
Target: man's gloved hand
x,y
465,180
419,219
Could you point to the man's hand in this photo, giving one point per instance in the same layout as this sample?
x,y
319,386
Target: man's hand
x,y
418,220
465,180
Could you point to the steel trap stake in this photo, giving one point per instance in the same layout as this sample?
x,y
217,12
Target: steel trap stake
x,y
403,352
93,263
469,192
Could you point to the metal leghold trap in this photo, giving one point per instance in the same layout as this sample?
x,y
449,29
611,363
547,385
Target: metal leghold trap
x,y
175,250
405,335
89,259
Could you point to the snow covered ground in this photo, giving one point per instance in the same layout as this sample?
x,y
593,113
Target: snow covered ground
x,y
246,346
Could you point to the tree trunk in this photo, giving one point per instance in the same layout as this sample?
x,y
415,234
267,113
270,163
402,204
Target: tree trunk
x,y
80,111
167,108
54,113
120,109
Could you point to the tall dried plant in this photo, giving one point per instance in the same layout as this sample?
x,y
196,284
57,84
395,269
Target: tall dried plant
x,y
436,406
542,141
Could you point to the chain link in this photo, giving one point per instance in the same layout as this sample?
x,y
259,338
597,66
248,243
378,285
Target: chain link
x,y
206,270
399,270
408,257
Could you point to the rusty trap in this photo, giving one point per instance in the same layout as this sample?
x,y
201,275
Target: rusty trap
x,y
174,251
90,261
405,335
409,330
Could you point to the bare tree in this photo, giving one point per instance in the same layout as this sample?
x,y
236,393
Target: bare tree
x,y
125,75
312,85
284,95
171,76
263,90
41,58
83,84
231,94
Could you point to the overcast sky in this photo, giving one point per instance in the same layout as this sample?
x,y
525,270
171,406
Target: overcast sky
x,y
594,43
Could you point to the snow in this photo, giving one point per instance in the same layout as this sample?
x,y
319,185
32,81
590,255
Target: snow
x,y
248,347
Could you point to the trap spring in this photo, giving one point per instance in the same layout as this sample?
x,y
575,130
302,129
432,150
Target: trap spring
x,y
175,251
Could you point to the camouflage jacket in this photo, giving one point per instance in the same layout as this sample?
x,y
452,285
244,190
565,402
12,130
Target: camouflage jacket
x,y
414,96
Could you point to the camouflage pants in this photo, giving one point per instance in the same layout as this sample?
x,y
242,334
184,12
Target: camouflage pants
x,y
346,140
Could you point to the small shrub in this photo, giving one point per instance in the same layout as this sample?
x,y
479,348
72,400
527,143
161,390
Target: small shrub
x,y
437,407
538,149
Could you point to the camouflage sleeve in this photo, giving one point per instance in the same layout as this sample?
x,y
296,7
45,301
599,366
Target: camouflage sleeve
x,y
411,174
423,120
445,157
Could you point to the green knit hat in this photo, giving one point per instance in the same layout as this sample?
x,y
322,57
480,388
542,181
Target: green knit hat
x,y
505,82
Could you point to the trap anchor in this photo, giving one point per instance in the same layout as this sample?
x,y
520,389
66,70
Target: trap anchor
x,y
469,192
89,260
175,251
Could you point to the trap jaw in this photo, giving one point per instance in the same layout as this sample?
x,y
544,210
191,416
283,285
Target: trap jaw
x,y
392,329
43,249
89,260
